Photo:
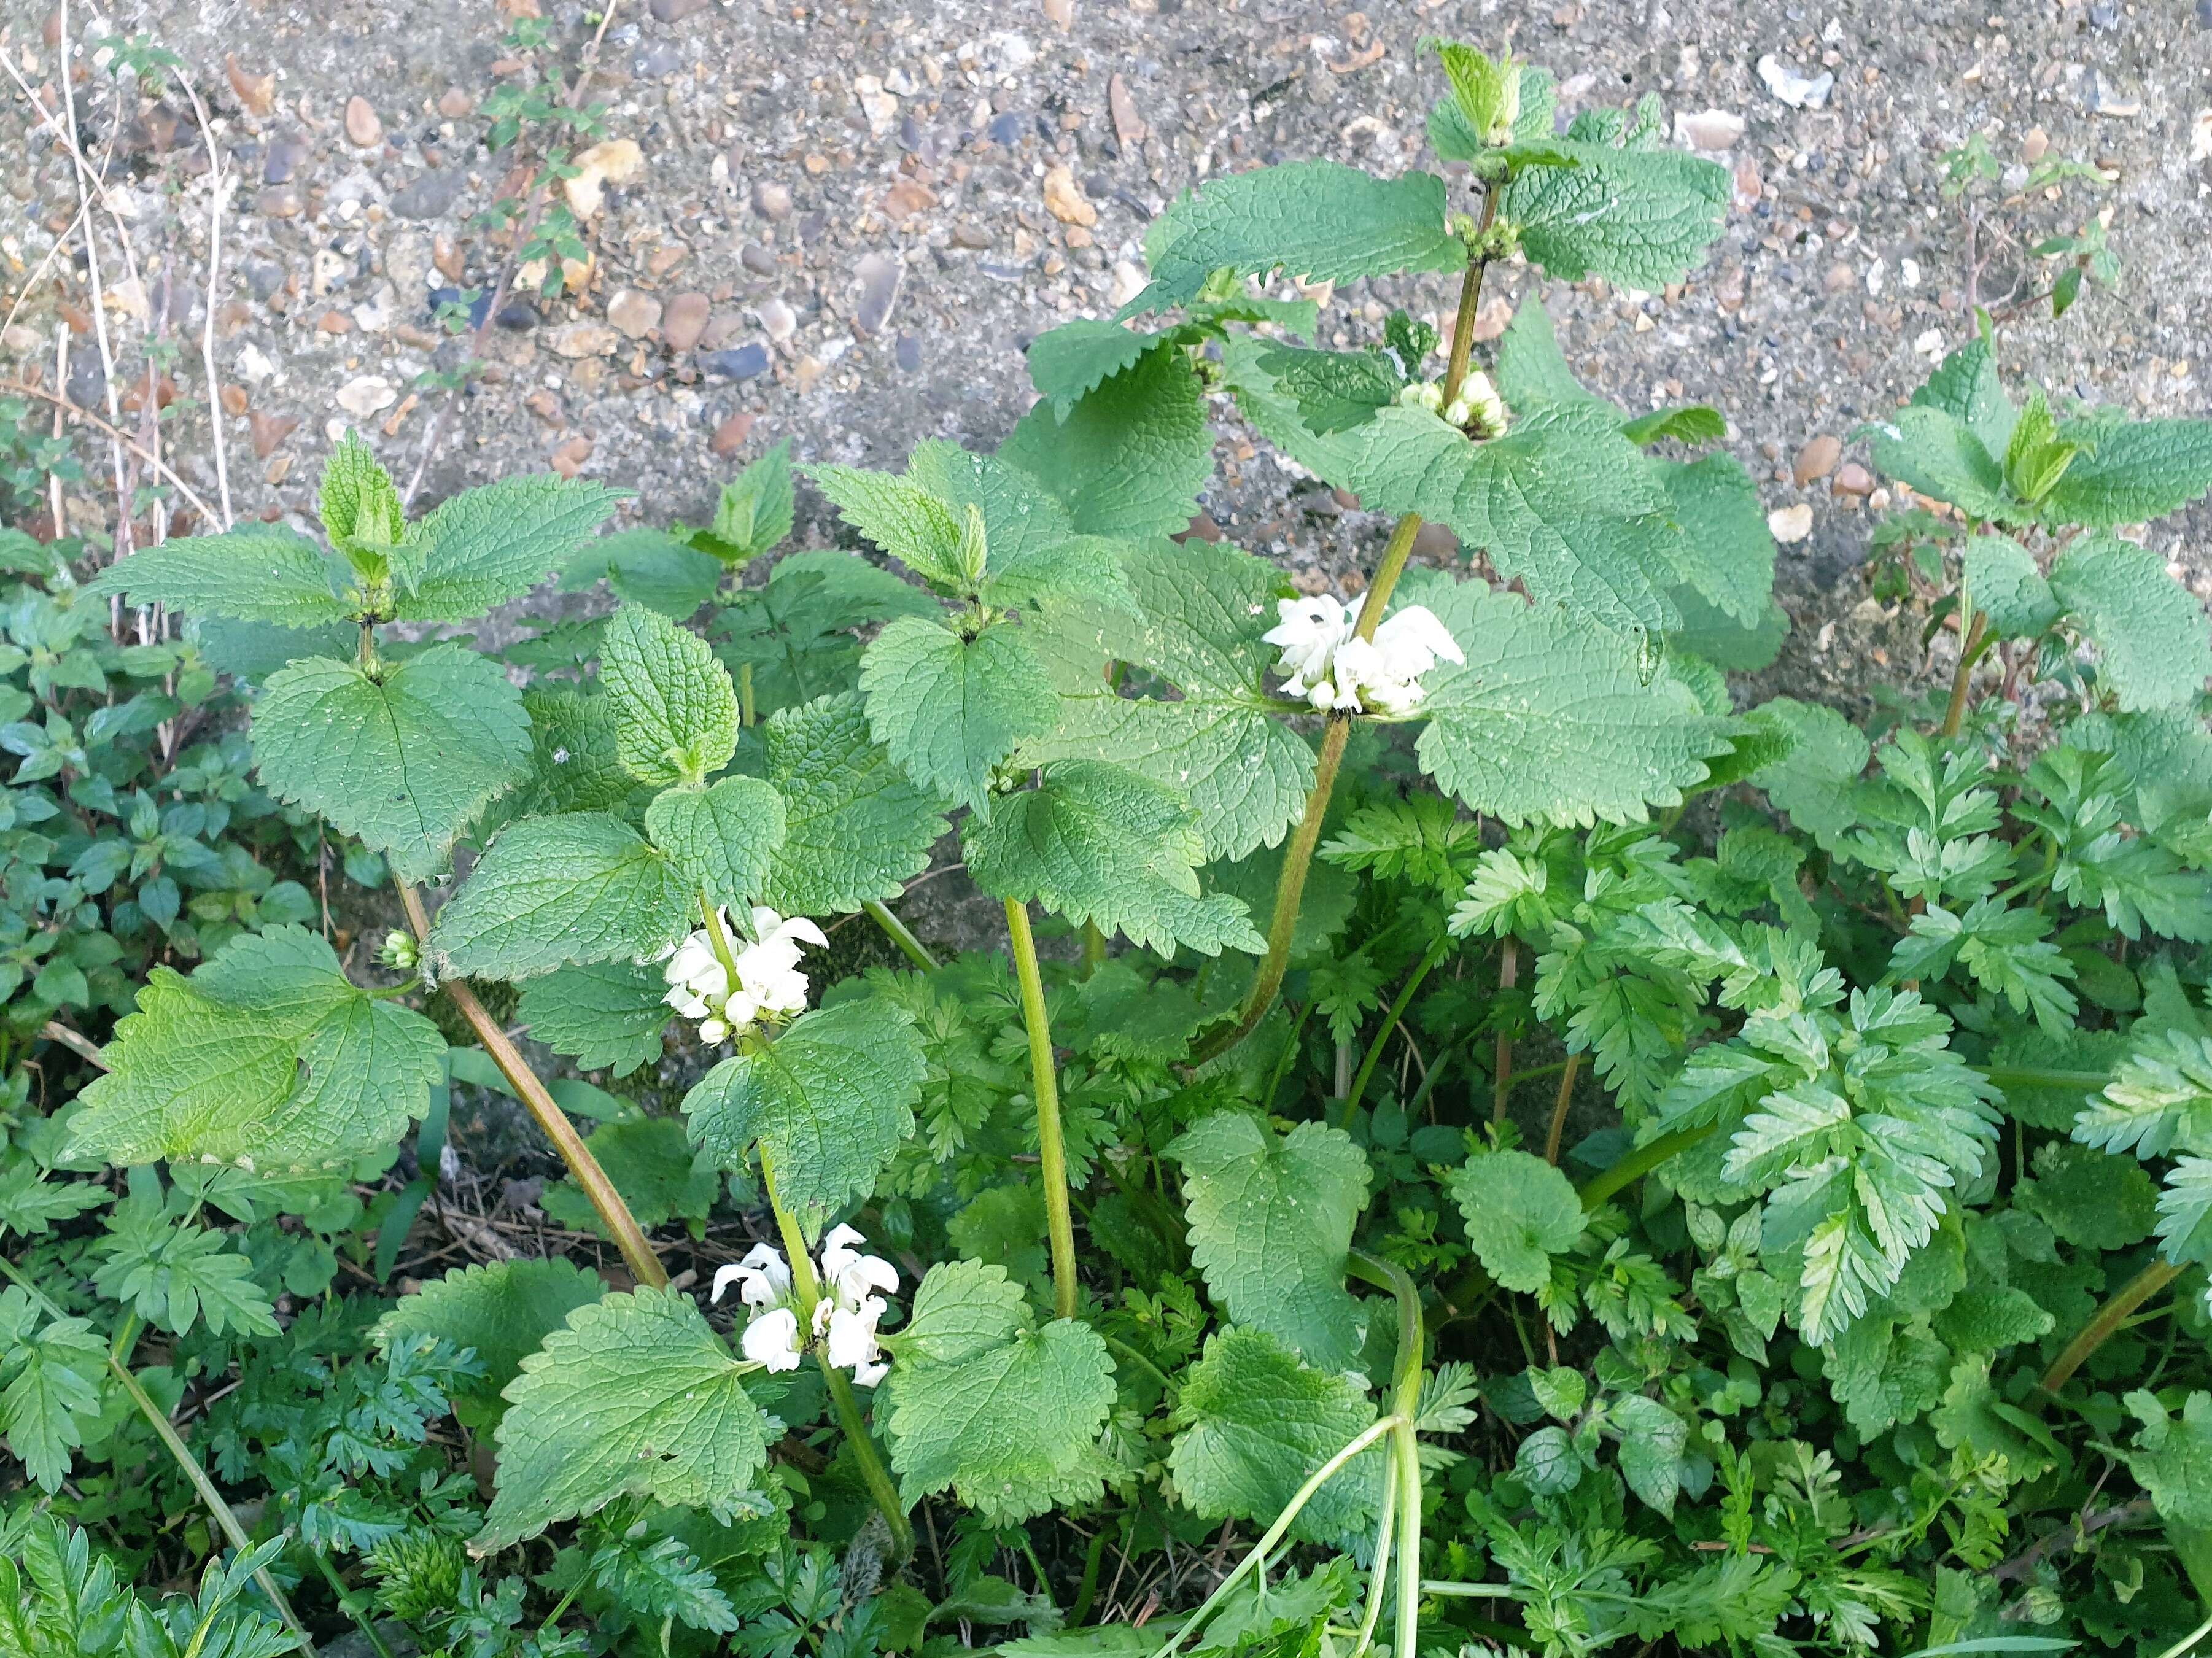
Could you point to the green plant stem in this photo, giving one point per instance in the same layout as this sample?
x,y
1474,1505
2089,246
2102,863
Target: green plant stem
x,y
1094,949
1284,1060
2107,1320
1470,300
2189,1640
808,1288
897,932
1640,1161
718,937
1501,1080
1125,1350
365,1623
1087,1592
1452,1590
1567,1074
1273,1534
165,1430
1973,635
1378,1574
1044,1083
1435,953
553,1122
1406,1405
2005,1076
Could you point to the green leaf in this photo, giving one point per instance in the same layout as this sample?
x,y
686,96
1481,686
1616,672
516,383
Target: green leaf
x,y
1531,369
1728,553
574,765
1011,1429
722,839
1520,1212
1486,90
1096,842
962,1309
1938,454
675,710
486,546
797,633
1652,1440
1965,385
1333,390
1640,217
903,518
259,573
1693,422
2007,950
1553,719
634,1395
1271,1222
1130,457
2174,1464
753,511
503,1311
604,1014
828,1101
855,828
1253,1424
2130,471
267,1058
1067,363
2161,1097
1038,556
649,567
1216,741
2152,636
2004,585
51,1396
2037,456
1817,782
581,887
30,1203
951,710
651,1163
2184,1210
404,760
1320,220
2091,1199
175,1276
361,507
1975,1416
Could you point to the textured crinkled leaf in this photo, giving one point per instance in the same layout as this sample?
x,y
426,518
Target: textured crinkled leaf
x,y
403,760
1011,1431
1531,370
2090,1197
723,838
854,828
2136,469
1641,217
488,545
1554,718
1938,454
1817,782
575,762
961,1308
1099,843
1965,386
1254,1425
258,573
268,1058
1321,220
601,1014
1652,1440
649,567
754,509
901,516
949,709
2174,1462
359,504
675,711
2005,586
797,634
581,887
1520,1212
1975,1416
2153,637
1204,609
504,1310
1334,388
634,1395
1071,359
1271,1222
1129,457
1726,552
652,1166
830,1101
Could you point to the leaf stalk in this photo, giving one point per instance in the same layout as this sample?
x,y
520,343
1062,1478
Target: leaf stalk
x,y
1044,1080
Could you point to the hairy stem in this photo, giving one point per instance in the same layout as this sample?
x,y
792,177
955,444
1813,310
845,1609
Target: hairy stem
x,y
158,1420
1470,301
629,1237
1501,1082
2107,1320
1971,643
1396,1012
1405,1404
808,1289
1567,1073
1094,949
1641,1161
1044,1080
897,932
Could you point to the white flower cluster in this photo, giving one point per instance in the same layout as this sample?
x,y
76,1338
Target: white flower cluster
x,y
853,1285
769,989
1478,409
1332,667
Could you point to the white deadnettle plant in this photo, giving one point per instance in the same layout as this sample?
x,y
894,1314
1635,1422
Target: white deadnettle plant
x,y
1332,667
769,988
844,1319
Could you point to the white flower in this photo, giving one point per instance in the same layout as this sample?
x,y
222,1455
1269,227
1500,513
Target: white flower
x,y
852,1275
772,1340
1413,639
1307,635
769,987
852,1333
763,1277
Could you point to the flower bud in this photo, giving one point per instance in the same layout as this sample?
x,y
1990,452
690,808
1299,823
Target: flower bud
x,y
400,952
1456,412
